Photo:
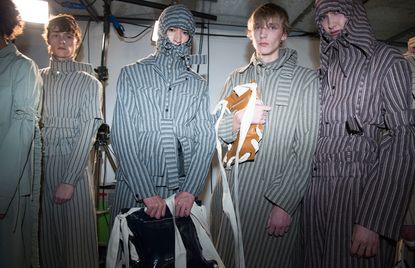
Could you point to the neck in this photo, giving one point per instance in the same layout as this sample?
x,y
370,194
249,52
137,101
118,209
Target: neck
x,y
268,58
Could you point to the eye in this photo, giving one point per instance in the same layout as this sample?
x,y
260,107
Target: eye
x,y
186,33
257,27
171,29
69,36
322,17
273,27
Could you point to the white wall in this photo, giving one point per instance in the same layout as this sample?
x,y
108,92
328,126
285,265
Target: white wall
x,y
225,54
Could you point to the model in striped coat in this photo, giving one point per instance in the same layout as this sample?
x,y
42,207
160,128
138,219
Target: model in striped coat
x,y
272,186
163,133
71,116
408,230
363,169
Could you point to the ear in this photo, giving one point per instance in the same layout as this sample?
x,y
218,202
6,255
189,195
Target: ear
x,y
284,36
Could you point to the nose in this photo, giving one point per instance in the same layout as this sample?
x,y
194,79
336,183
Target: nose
x,y
178,37
263,32
330,22
62,40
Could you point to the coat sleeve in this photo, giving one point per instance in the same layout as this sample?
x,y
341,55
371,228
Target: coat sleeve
x,y
225,133
289,190
18,140
204,138
90,120
124,141
386,194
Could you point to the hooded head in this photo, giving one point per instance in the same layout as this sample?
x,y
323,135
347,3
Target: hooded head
x,y
175,16
357,31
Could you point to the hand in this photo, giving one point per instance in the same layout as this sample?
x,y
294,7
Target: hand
x,y
411,45
408,233
279,222
183,204
365,242
260,115
63,193
2,216
156,206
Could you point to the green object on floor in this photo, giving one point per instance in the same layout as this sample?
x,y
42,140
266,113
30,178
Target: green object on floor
x,y
103,219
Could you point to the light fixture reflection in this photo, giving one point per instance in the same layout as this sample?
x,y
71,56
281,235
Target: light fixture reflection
x,y
36,11
155,36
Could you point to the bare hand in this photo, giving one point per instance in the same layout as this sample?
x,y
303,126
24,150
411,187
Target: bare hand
x,y
365,242
2,216
260,115
183,204
411,45
156,206
63,193
408,233
279,222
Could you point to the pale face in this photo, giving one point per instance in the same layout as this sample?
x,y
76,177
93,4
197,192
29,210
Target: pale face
x,y
62,44
177,35
267,39
333,23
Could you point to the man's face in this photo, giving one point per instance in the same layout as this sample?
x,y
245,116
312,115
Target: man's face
x,y
177,35
62,44
267,38
333,23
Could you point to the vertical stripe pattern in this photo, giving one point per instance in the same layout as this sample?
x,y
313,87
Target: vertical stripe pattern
x,y
410,213
163,134
71,117
363,169
279,174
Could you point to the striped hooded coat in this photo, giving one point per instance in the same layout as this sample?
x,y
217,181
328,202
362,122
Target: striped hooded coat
x,y
363,167
280,171
163,133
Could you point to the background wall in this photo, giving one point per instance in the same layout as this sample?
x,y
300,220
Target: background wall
x,y
224,53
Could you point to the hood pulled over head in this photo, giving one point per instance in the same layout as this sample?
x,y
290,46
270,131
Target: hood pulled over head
x,y
357,31
175,16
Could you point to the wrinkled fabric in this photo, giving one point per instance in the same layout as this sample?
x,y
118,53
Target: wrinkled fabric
x,y
280,171
362,170
20,156
71,117
163,133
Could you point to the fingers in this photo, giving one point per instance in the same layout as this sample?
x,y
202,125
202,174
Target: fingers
x,y
276,230
155,207
363,250
183,204
182,210
365,243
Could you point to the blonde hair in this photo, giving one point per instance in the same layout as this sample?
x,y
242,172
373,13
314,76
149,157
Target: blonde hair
x,y
265,12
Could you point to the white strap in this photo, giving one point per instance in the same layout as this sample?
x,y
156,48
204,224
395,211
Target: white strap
x,y
227,204
120,232
179,249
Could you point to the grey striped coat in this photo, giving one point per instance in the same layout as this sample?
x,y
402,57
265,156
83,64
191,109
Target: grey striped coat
x,y
163,133
410,213
363,169
71,116
281,169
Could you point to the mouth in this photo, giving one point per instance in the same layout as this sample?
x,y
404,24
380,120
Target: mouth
x,y
263,44
334,33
